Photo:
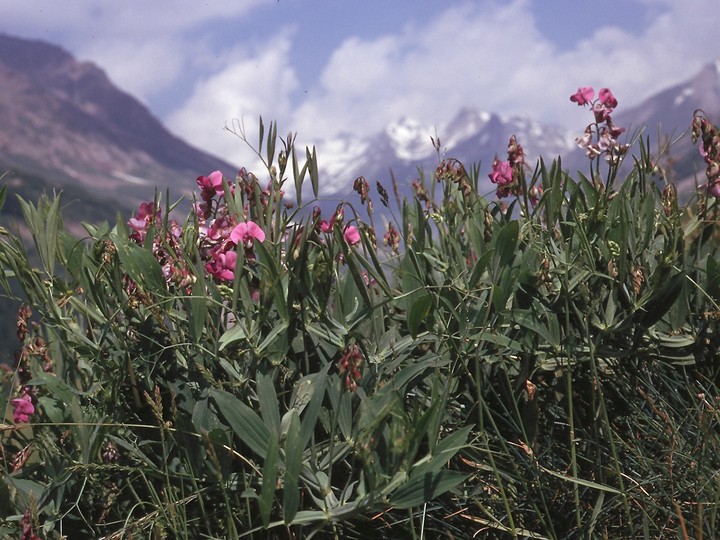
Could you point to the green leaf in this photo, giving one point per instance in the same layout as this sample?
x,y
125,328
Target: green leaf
x,y
141,265
273,339
505,245
269,481
293,464
580,481
198,309
661,300
246,424
236,333
423,488
419,312
316,390
269,406
313,170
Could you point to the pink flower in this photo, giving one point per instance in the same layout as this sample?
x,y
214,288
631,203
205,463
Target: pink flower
x,y
606,98
246,233
602,113
222,265
351,235
141,222
22,408
211,185
326,226
501,173
583,95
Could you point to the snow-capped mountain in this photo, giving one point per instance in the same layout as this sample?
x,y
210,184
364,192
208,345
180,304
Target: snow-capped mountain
x,y
476,136
404,146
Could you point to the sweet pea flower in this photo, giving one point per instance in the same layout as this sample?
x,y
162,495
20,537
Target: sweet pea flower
x,y
501,173
351,235
211,185
222,265
141,222
326,226
583,95
22,409
607,98
246,233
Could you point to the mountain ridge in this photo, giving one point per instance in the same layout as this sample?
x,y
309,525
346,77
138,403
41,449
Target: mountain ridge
x,y
67,122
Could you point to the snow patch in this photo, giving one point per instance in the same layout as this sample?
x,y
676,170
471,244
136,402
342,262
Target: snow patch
x,y
129,178
335,158
410,139
683,96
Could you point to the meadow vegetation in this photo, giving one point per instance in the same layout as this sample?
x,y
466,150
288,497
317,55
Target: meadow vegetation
x,y
538,362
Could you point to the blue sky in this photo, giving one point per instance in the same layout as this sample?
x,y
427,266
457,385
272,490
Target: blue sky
x,y
321,67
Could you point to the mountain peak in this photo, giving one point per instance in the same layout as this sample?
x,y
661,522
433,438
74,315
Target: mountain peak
x,y
64,120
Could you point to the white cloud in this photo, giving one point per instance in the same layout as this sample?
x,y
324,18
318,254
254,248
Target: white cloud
x,y
495,57
253,82
145,47
466,57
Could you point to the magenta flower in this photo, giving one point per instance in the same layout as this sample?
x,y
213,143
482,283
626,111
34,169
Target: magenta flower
x,y
606,98
583,95
351,235
326,226
211,185
22,408
222,265
501,173
246,233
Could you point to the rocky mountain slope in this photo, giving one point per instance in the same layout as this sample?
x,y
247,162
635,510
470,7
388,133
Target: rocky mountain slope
x,y
64,122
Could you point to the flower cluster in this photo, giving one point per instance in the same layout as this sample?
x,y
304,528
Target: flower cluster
x,y
349,365
166,244
33,347
709,136
221,232
600,136
451,170
351,234
392,239
507,174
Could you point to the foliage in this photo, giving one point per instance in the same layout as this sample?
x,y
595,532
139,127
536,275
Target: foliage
x,y
544,368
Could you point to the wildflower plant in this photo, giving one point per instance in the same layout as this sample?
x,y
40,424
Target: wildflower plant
x,y
258,369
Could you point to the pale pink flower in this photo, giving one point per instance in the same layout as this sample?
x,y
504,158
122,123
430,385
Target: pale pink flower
x,y
246,233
